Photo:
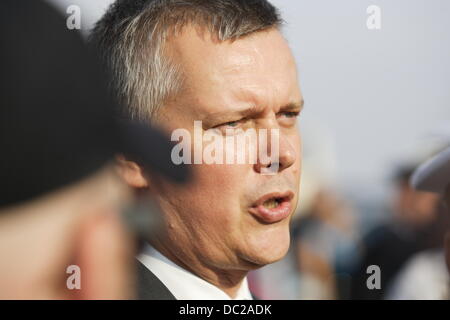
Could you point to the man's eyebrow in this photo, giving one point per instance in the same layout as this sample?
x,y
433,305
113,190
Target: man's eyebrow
x,y
253,110
294,106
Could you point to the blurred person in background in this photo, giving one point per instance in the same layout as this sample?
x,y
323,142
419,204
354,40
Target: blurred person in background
x,y
325,242
225,63
390,244
325,234
426,275
62,231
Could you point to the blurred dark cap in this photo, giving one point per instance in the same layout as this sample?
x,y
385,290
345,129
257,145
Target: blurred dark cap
x,y
57,121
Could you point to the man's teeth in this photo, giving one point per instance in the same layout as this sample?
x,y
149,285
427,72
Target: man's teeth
x,y
270,204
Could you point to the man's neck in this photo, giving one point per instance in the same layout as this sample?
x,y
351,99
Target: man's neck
x,y
229,281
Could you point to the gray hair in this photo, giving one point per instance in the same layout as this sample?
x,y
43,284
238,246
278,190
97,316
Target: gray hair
x,y
131,36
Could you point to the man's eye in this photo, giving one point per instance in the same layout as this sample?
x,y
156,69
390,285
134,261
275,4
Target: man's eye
x,y
231,124
291,114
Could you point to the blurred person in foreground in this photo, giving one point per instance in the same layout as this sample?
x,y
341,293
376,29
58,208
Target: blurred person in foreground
x,y
224,63
390,244
61,200
425,276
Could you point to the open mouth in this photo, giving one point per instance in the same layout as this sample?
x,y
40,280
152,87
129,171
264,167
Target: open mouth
x,y
272,203
273,207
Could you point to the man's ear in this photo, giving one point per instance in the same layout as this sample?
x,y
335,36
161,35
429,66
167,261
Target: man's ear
x,y
131,172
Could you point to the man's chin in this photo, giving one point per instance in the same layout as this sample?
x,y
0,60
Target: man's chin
x,y
257,262
260,256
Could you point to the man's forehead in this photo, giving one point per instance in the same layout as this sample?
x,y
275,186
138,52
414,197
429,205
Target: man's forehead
x,y
241,74
198,52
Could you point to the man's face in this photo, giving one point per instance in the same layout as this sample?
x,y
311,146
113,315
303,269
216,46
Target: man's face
x,y
250,83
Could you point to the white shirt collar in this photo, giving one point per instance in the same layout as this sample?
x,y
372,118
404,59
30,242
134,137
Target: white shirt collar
x,y
183,284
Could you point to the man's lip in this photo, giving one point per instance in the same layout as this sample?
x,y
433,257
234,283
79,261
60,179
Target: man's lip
x,y
273,215
286,196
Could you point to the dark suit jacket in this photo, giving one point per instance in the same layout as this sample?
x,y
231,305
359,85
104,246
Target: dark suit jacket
x,y
151,288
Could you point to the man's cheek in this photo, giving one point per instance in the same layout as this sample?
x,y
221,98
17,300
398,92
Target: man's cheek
x,y
295,141
225,177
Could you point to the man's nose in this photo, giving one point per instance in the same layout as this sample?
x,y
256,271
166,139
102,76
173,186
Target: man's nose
x,y
279,154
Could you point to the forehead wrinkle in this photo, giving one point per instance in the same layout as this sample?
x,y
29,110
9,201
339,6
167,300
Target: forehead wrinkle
x,y
239,58
248,87
262,98
237,61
